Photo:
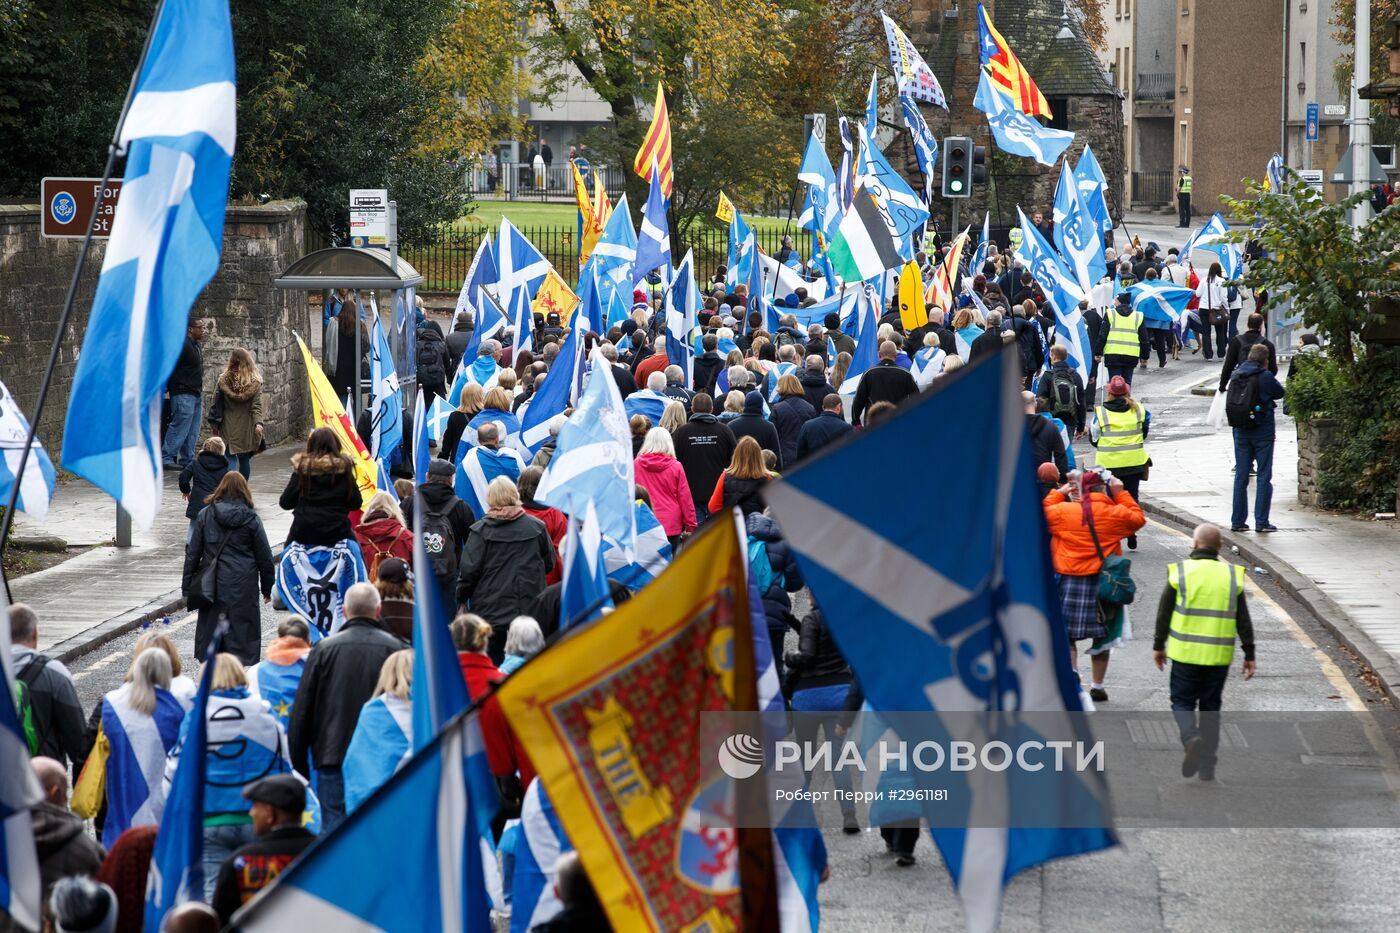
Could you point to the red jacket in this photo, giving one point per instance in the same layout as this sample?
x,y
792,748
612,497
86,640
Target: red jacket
x,y
384,538
503,750
557,524
656,363
664,478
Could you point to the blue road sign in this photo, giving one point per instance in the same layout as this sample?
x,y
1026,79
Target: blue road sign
x,y
1312,122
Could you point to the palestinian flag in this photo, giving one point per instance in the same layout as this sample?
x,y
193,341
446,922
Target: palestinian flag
x,y
863,246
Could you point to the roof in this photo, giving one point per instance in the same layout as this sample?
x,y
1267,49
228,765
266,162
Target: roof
x,y
348,267
1061,68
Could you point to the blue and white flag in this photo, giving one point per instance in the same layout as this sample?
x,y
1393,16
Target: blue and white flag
x,y
648,403
483,371
584,591
381,745
386,400
533,899
36,487
973,622
1014,131
1160,301
616,249
518,262
653,552
845,175
1076,233
926,363
1274,174
1093,188
741,252
682,301
979,255
1211,239
556,394
592,301
136,765
654,240
21,889
478,466
436,421
439,692
903,210
866,355
781,283
169,228
1060,285
439,807
481,272
925,146
489,322
522,322
872,103
593,459
275,679
312,582
421,429
817,173
505,421
176,874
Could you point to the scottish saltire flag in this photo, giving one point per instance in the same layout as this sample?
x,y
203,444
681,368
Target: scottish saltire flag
x,y
506,421
925,146
648,403
1016,132
1160,301
1211,239
1060,285
438,807
616,250
912,75
21,888
436,421
654,240
178,134
483,371
904,211
592,302
1093,187
1076,233
136,765
972,623
740,254
555,395
481,272
820,178
653,552
593,459
36,486
979,255
522,321
490,320
542,840
386,400
584,592
682,301
1273,173
477,467
872,104
866,354
176,874
420,440
312,582
518,262
926,363
381,745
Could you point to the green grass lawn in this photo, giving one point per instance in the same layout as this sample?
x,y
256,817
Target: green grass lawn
x,y
535,214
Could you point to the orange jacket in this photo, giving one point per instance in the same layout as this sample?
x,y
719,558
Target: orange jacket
x,y
1072,547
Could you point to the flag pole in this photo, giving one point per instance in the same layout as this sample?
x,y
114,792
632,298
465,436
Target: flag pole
x,y
114,149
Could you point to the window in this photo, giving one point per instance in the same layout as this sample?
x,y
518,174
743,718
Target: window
x,y
1385,155
1059,112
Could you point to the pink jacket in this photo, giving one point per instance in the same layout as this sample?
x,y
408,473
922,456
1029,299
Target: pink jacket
x,y
664,478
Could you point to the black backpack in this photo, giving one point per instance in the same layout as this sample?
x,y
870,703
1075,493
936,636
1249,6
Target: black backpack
x,y
440,542
1242,400
1064,399
430,353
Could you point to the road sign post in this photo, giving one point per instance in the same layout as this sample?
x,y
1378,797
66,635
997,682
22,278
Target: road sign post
x,y
66,206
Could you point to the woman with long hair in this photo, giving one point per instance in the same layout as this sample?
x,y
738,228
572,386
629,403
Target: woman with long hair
x,y
383,736
742,482
839,369
344,372
228,548
673,415
239,399
1214,310
321,492
473,399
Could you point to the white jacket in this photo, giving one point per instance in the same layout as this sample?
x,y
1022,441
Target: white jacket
x,y
1212,294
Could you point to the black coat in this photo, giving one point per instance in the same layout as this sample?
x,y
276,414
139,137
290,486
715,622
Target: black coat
x,y
747,494
789,415
321,493
886,382
503,567
706,370
626,382
754,425
199,479
1238,351
820,431
815,388
188,375
244,568
1046,444
817,662
787,576
338,679
705,448
434,360
457,342
440,497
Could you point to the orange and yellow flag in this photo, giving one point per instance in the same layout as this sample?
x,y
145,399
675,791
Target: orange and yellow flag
x,y
328,412
602,207
555,296
588,228
940,290
657,145
1008,75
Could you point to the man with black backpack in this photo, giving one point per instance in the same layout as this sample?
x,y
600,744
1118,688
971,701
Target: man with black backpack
x,y
1250,399
47,702
446,521
1022,324
1239,346
1064,390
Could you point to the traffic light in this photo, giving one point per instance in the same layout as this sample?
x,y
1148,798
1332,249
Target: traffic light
x,y
957,166
979,165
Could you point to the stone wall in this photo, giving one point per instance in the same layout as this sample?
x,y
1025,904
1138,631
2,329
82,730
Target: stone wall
x,y
240,304
1314,439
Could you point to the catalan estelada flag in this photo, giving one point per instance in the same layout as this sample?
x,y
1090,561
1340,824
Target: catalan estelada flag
x,y
329,412
612,715
588,227
657,145
602,207
1008,75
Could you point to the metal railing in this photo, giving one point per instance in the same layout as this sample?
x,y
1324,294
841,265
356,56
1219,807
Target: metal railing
x,y
522,181
1155,86
1153,188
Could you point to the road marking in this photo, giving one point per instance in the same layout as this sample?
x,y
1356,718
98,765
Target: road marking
x,y
117,654
1186,387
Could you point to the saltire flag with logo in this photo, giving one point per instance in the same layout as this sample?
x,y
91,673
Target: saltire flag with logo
x,y
1009,76
655,153
533,898
36,486
925,146
21,888
1093,188
1211,238
863,246
176,874
653,552
1016,132
1160,301
1273,173
912,313
327,411
1076,233
739,260
386,399
725,209
312,582
654,239
970,624
904,211
481,272
588,227
942,287
912,75
518,262
584,591
178,135
592,305
554,297
614,715
866,321
1059,283
845,176
682,302
616,250
557,392
820,177
438,807
979,255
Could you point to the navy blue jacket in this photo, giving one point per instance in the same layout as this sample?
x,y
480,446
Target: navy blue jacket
x,y
787,576
1270,391
820,431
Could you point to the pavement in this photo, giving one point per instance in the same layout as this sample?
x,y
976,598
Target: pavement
x,y
107,591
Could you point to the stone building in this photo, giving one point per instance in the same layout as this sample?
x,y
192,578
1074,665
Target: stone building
x,y
1082,96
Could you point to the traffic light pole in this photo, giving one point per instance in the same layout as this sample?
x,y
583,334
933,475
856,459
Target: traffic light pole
x,y
957,207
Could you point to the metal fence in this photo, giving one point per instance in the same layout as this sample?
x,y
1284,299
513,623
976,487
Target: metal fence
x,y
521,181
1152,188
443,258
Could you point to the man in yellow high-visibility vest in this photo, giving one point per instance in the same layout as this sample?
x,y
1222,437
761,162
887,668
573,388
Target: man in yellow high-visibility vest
x,y
1201,613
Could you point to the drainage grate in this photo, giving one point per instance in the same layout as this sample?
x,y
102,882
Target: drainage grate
x,y
1155,733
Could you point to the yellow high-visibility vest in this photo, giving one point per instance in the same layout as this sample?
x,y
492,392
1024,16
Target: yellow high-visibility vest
x,y
1203,619
1184,184
1123,334
1121,438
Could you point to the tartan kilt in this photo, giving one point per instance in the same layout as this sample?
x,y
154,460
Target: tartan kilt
x,y
1079,600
